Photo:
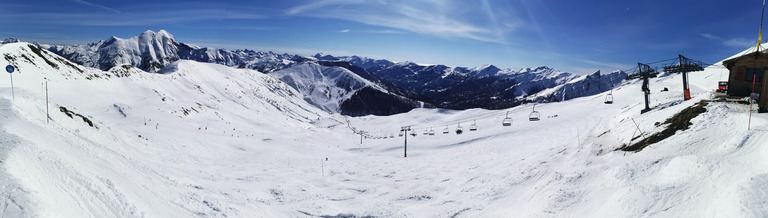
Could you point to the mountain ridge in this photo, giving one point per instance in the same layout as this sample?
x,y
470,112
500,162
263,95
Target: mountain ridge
x,y
442,86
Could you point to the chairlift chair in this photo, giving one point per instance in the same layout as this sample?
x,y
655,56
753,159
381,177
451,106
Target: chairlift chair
x,y
507,120
473,127
413,133
400,134
431,131
391,135
426,131
609,98
534,114
446,131
458,129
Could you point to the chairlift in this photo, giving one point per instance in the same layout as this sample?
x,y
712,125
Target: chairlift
x,y
446,131
609,98
458,129
507,120
534,114
473,127
400,134
426,131
413,133
391,136
431,131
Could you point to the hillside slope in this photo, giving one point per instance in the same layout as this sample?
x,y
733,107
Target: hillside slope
x,y
133,160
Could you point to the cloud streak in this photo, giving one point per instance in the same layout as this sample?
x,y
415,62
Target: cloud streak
x,y
131,19
437,18
615,66
733,42
740,42
82,2
710,36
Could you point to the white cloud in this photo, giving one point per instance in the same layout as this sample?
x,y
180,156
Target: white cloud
x,y
740,42
710,36
385,31
344,31
733,42
611,65
454,19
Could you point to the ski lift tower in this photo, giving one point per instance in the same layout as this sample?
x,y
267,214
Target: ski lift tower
x,y
685,65
405,130
646,72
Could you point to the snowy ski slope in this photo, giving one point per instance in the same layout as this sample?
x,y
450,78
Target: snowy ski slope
x,y
249,146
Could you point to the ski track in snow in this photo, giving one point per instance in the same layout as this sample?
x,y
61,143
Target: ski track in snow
x,y
14,197
211,141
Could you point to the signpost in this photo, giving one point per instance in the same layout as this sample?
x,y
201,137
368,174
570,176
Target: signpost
x,y
10,70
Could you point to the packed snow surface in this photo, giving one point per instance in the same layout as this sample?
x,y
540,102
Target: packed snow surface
x,y
199,139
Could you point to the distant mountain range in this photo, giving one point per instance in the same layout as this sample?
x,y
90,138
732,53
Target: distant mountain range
x,y
353,85
482,87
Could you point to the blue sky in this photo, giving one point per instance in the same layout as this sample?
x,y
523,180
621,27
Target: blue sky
x,y
574,36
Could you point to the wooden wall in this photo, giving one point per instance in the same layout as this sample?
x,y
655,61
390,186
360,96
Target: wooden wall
x,y
737,80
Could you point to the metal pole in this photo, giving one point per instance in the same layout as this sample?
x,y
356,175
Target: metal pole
x,y
686,84
405,130
645,71
12,92
685,68
47,116
405,145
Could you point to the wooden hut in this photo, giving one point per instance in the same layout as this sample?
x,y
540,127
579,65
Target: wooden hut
x,y
742,70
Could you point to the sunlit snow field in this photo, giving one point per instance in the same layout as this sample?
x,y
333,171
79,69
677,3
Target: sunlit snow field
x,y
207,140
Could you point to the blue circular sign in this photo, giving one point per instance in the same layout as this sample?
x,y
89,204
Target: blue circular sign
x,y
9,68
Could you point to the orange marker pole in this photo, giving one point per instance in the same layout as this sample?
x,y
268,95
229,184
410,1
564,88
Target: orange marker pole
x,y
749,124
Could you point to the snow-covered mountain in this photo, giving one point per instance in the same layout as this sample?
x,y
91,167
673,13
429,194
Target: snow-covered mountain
x,y
265,62
480,87
113,137
389,87
328,87
364,62
586,85
10,40
150,51
337,89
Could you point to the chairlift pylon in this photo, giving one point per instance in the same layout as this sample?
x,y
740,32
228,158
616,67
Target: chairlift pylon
x,y
534,114
507,120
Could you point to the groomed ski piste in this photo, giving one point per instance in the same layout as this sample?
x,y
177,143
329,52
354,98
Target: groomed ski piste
x,y
205,140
